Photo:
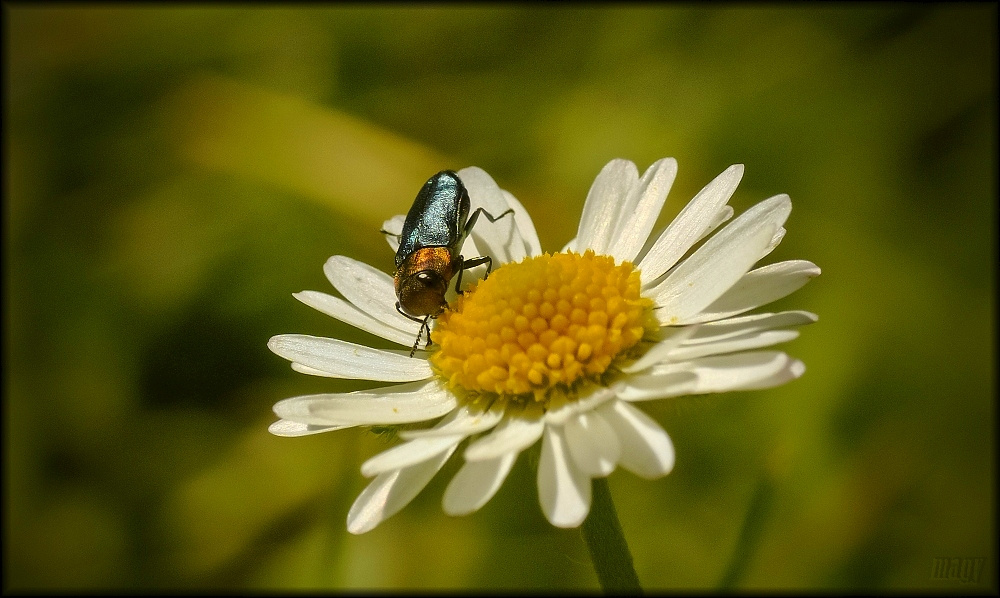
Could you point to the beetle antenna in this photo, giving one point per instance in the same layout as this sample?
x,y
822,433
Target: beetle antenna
x,y
423,324
416,343
406,315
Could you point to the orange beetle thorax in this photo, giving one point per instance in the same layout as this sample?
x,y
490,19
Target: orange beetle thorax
x,y
422,280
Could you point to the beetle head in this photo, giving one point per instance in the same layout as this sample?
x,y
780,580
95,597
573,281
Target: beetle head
x,y
422,281
422,293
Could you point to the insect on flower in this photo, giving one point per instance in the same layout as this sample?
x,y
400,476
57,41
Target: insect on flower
x,y
428,255
622,315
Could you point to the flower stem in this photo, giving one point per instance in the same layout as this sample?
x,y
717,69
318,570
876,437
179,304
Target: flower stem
x,y
608,549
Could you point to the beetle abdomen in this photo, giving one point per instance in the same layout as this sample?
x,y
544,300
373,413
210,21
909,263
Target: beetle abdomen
x,y
437,216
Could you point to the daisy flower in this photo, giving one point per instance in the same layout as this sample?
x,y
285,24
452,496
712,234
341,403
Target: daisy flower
x,y
557,348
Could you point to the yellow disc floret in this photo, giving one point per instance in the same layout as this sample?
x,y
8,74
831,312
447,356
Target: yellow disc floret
x,y
548,322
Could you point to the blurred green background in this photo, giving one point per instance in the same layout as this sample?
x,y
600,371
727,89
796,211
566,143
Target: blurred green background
x,y
173,174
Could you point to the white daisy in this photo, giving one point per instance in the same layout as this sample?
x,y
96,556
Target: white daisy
x,y
556,348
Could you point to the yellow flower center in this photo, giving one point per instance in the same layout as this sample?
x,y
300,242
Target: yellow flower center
x,y
548,323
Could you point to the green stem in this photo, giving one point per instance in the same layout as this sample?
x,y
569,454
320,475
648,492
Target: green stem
x,y
608,549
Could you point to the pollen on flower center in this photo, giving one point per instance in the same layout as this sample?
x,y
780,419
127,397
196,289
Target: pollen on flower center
x,y
548,322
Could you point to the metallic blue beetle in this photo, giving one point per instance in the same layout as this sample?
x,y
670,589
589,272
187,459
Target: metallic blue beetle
x,y
428,255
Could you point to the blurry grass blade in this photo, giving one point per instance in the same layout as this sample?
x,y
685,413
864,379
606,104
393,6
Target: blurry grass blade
x,y
287,141
754,524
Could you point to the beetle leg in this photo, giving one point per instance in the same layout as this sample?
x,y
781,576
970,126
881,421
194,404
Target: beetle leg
x,y
467,264
475,216
483,259
460,267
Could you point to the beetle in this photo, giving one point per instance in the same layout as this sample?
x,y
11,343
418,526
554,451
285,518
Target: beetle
x,y
428,256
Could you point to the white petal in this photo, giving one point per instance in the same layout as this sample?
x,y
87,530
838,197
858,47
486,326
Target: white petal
x,y
304,369
288,428
524,224
409,454
642,207
700,215
513,435
603,206
563,490
341,359
558,414
390,492
658,352
501,239
718,264
703,277
646,387
646,450
737,326
722,373
723,216
792,370
778,236
759,287
336,307
752,340
593,444
570,246
465,422
392,229
370,290
475,484
400,404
